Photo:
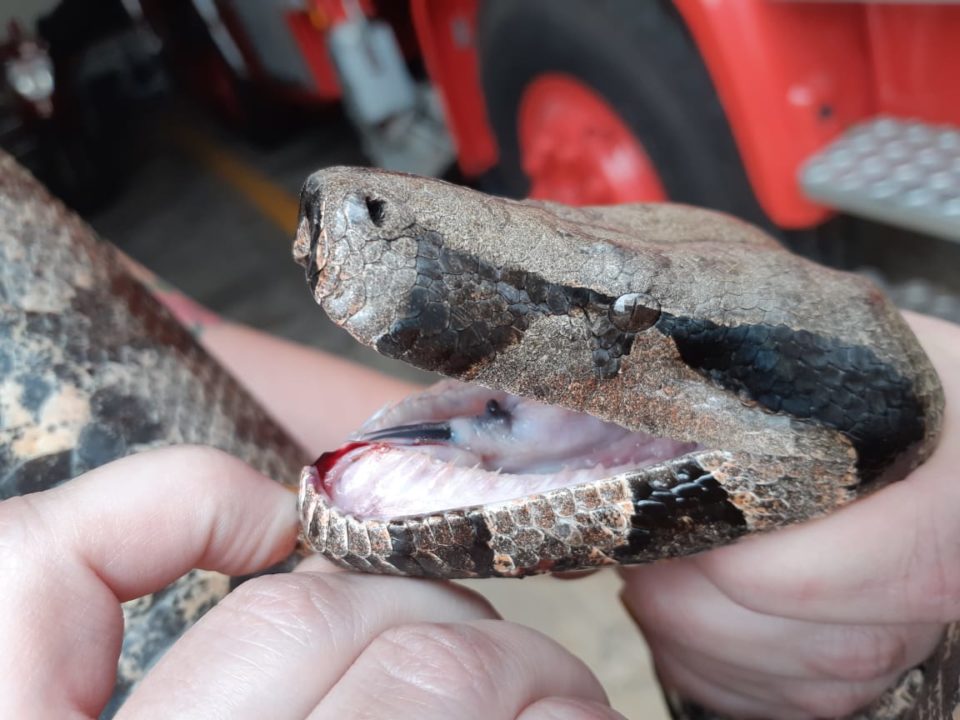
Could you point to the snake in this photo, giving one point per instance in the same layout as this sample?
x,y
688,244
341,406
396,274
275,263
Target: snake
x,y
627,384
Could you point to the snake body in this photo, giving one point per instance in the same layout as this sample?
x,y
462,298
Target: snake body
x,y
93,368
562,305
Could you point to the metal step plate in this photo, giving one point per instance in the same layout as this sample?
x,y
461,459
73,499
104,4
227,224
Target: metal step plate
x,y
896,171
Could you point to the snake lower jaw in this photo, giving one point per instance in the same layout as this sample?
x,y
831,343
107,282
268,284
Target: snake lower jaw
x,y
632,516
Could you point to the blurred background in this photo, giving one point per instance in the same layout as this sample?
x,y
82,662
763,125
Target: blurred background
x,y
183,129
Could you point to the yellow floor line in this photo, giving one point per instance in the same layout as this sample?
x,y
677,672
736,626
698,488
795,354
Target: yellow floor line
x,y
264,194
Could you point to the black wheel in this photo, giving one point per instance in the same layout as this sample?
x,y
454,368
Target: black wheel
x,y
638,59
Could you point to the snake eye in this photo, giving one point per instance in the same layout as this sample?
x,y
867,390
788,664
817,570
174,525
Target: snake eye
x,y
634,312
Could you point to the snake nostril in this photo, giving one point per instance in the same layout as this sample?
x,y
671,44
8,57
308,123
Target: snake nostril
x,y
377,210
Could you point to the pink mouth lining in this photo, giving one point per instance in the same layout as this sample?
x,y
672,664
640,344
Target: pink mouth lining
x,y
500,447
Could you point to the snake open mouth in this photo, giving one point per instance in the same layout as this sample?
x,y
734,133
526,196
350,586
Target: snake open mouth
x,y
766,408
458,445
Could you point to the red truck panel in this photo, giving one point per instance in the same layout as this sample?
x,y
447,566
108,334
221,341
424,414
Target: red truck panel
x,y
916,60
446,30
791,76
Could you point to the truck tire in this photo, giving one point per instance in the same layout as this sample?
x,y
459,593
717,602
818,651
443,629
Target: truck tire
x,y
637,57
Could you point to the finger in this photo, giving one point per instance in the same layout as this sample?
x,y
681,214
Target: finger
x,y
697,677
680,681
889,557
675,602
143,521
565,708
833,699
276,645
129,528
482,670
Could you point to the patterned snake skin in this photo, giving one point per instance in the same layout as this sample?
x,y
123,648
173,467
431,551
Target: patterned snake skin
x,y
92,368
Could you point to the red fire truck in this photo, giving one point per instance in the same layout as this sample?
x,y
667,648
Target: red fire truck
x,y
782,112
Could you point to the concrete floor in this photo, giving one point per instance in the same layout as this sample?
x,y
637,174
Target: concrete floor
x,y
195,230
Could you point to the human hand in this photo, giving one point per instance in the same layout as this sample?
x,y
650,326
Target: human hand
x,y
817,620
314,642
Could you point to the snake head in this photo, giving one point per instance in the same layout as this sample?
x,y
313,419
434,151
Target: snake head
x,y
685,325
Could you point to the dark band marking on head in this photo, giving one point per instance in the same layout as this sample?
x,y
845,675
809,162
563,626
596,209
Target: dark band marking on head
x,y
463,311
810,377
691,498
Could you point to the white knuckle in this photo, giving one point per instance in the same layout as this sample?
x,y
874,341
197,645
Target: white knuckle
x,y
832,699
933,591
21,533
925,581
859,652
453,661
302,606
564,708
